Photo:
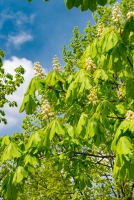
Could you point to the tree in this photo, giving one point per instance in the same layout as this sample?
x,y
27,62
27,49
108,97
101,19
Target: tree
x,y
85,113
8,85
85,4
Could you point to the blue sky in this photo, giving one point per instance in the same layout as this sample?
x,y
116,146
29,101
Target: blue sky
x,y
32,32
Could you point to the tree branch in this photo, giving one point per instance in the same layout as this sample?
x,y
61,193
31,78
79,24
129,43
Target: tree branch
x,y
110,185
129,62
110,82
99,163
116,117
50,87
116,100
93,155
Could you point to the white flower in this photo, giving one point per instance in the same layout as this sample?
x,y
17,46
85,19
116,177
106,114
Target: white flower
x,y
38,70
56,65
120,93
92,97
129,14
100,29
89,64
116,13
46,110
130,115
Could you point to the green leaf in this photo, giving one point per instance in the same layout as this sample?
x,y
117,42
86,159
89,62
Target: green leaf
x,y
93,49
124,126
102,2
59,77
46,139
35,84
59,128
19,174
5,141
124,145
86,54
82,122
112,40
85,4
28,104
54,77
31,168
99,138
11,151
30,159
130,88
25,100
51,78
129,27
85,85
100,74
122,172
9,190
70,130
52,131
121,109
34,140
92,128
119,160
92,5
80,83
131,127
77,3
69,4
103,42
82,182
131,172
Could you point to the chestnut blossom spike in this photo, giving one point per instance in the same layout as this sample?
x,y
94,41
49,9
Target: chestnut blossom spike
x,y
38,70
56,65
46,110
130,14
116,13
92,97
129,115
100,28
89,64
120,93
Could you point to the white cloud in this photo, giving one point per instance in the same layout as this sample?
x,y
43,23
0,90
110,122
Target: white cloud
x,y
19,39
22,18
18,18
12,113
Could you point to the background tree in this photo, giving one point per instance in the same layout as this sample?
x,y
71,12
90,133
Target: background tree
x,y
86,113
8,85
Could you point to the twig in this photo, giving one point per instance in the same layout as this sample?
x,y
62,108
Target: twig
x,y
116,117
111,185
93,155
129,62
50,87
103,164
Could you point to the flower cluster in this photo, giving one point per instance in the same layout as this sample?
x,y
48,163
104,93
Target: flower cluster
x,y
89,64
92,97
120,93
116,13
129,14
46,110
130,115
56,65
38,69
100,29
